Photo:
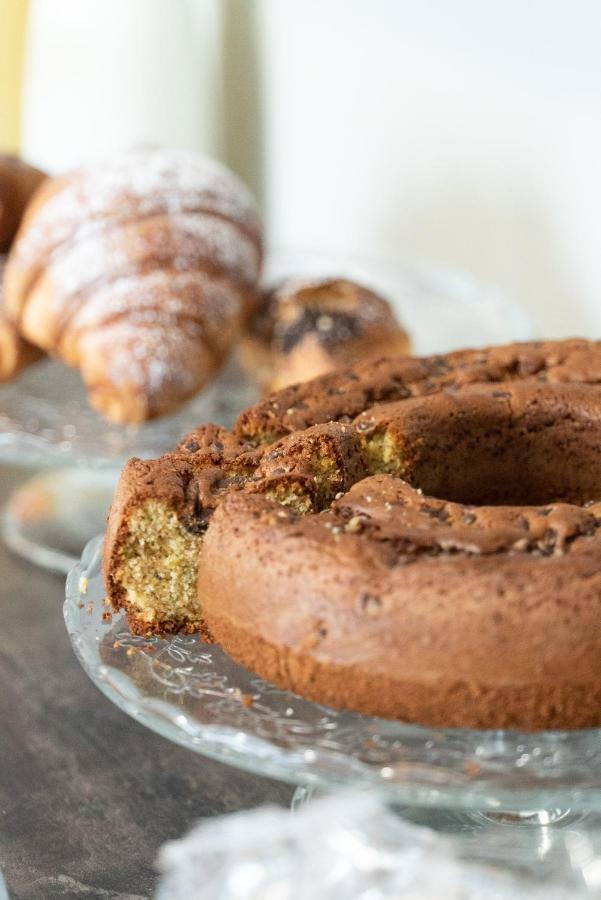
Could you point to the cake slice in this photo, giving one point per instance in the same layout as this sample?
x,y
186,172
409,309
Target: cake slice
x,y
163,507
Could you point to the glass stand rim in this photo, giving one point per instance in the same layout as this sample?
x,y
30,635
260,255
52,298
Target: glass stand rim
x,y
194,695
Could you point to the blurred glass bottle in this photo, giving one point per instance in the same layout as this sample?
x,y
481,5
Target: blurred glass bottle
x,y
13,14
104,75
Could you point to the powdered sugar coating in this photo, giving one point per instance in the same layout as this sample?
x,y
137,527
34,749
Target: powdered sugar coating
x,y
186,241
137,184
162,297
141,357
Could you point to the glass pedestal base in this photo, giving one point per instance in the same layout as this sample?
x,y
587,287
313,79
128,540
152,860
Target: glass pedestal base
x,y
527,840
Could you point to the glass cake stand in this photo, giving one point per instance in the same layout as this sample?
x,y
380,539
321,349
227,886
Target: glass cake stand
x,y
456,779
46,423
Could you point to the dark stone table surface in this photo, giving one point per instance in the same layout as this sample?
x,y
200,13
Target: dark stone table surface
x,y
87,795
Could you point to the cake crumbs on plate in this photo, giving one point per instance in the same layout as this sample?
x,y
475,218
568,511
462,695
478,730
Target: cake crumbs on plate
x,y
243,698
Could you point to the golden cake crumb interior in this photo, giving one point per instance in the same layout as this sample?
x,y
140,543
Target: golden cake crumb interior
x,y
158,567
382,454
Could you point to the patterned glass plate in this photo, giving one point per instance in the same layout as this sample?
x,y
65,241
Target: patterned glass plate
x,y
195,695
45,418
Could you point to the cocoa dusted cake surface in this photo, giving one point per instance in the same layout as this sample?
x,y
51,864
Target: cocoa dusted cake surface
x,y
412,538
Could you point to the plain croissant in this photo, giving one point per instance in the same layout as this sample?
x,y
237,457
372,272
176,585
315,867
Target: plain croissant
x,y
15,352
141,272
18,182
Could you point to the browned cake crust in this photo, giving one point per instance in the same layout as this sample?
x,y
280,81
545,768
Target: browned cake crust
x,y
416,539
304,328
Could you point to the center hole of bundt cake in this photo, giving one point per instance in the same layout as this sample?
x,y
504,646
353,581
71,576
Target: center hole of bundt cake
x,y
526,446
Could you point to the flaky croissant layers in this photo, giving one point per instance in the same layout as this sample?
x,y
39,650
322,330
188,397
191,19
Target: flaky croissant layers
x,y
141,272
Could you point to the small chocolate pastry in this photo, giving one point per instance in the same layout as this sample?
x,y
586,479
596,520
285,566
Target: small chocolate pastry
x,y
305,328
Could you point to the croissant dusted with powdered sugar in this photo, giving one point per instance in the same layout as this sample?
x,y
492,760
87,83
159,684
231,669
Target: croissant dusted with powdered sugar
x,y
139,271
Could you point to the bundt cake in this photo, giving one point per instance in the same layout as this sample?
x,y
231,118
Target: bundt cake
x,y
410,538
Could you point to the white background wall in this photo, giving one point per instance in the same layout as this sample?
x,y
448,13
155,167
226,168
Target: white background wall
x,y
101,75
463,131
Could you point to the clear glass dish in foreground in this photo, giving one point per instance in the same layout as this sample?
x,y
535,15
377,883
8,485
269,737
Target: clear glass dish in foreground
x,y
196,696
